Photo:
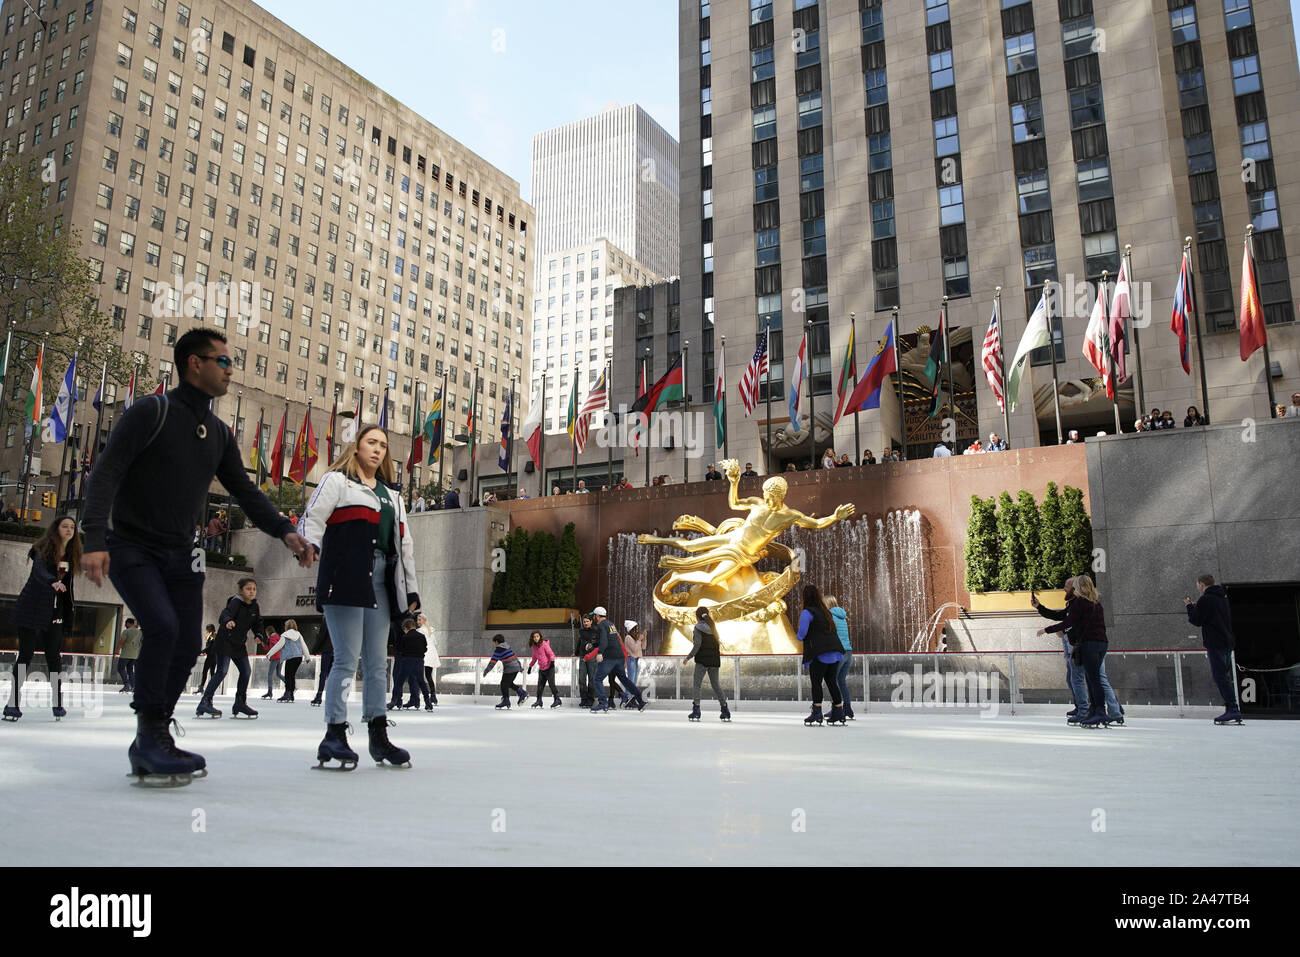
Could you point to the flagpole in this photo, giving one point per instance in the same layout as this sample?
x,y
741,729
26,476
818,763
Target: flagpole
x,y
99,418
1119,428
4,364
1051,344
767,332
1268,363
853,338
1137,344
441,490
72,414
1002,369
812,410
947,352
609,401
1196,319
473,441
726,432
510,441
577,414
645,378
410,456
902,406
541,445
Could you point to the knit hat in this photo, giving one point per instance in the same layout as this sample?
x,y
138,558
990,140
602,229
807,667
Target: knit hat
x,y
629,624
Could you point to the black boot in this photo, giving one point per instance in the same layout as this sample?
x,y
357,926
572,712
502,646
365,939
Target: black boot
x,y
153,756
241,709
200,765
381,749
335,748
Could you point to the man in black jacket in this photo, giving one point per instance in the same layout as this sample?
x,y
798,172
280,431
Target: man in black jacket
x,y
148,489
240,616
611,660
1210,613
585,650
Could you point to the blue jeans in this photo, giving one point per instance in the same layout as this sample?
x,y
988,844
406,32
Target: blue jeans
x,y
633,669
164,591
614,666
1113,711
842,676
274,672
359,633
1221,672
1094,652
219,675
1075,678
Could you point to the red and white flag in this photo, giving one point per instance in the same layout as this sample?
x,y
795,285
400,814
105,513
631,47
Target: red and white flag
x,y
1121,310
754,373
532,432
1251,319
1096,341
991,358
130,392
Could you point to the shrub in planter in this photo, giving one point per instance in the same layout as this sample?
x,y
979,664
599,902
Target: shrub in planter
x,y
1011,571
981,553
1077,532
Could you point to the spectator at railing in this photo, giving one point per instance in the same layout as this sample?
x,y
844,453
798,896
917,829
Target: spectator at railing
x,y
216,526
828,459
868,458
1293,410
10,513
996,443
749,471
1167,420
843,461
941,451
712,475
1194,417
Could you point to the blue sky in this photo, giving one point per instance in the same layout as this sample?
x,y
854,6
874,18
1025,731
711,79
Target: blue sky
x,y
536,64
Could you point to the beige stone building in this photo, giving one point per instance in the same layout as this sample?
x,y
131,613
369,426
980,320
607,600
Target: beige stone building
x,y
850,156
344,243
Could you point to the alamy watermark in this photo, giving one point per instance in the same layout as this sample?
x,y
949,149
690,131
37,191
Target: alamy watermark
x,y
197,299
79,691
934,689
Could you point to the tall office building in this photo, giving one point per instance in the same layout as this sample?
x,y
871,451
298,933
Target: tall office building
x,y
857,156
207,143
611,176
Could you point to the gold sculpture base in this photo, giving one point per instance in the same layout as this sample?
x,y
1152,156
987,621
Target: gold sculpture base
x,y
742,636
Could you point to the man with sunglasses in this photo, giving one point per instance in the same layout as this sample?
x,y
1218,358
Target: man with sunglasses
x,y
148,488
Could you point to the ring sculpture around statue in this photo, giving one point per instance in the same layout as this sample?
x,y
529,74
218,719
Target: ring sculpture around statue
x,y
764,604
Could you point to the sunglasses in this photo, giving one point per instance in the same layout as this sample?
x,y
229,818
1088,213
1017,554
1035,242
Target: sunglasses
x,y
222,361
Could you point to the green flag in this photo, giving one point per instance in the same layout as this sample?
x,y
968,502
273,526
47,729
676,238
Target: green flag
x,y
720,398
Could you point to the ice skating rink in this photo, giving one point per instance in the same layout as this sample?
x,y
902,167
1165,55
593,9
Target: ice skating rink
x,y
570,788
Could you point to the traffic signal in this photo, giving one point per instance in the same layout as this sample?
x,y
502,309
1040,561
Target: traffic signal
x,y
49,499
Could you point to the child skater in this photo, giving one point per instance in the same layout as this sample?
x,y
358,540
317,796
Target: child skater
x,y
544,658
407,666
510,667
431,661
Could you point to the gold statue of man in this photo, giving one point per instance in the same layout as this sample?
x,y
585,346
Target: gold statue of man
x,y
737,543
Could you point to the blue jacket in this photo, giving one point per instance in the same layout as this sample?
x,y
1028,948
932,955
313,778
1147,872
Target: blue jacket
x,y
451,500
841,619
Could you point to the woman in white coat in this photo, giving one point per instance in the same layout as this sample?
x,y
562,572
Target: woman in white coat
x,y
431,660
293,652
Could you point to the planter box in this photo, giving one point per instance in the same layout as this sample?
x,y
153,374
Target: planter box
x,y
996,601
525,617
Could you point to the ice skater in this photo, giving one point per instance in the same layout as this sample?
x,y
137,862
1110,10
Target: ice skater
x,y
240,616
633,647
510,668
209,656
274,666
587,648
408,666
43,611
1084,625
128,650
153,479
431,661
707,652
822,653
840,618
544,658
325,651
356,521
1074,673
291,648
1212,614
610,663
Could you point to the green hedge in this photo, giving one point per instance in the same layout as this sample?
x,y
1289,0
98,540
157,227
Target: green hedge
x,y
1018,544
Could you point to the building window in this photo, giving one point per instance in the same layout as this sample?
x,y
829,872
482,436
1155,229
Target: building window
x,y
1245,75
941,70
1021,53
1183,23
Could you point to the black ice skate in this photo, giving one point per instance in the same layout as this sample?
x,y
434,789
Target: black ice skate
x,y
537,703
1229,717
504,703
523,695
285,698
557,703
725,714
155,762
12,713
335,748
815,717
836,716
200,765
695,714
205,710
381,749
60,712
315,702
240,708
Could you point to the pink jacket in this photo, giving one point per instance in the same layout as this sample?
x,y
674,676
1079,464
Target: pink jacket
x,y
543,656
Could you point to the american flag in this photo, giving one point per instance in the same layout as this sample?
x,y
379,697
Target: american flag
x,y
991,358
595,403
754,373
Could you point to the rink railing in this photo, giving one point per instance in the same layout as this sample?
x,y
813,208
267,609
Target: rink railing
x,y
1172,679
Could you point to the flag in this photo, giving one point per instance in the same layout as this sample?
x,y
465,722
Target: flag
x,y
257,457
667,388
991,358
1035,337
532,431
866,394
720,398
1184,309
796,382
417,436
98,401
277,452
162,387
1120,312
754,373
934,366
1251,321
640,391
1096,342
848,375
329,432
304,451
503,459
595,403
471,426
383,412
433,428
35,395
130,393
65,406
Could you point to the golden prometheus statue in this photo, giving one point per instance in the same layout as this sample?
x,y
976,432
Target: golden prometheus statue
x,y
746,605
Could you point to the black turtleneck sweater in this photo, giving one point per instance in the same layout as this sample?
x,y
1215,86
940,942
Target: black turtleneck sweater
x,y
154,492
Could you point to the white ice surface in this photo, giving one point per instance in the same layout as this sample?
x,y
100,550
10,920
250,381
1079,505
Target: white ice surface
x,y
572,788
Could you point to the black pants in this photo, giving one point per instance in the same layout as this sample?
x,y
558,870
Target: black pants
x,y
290,675
223,665
126,670
587,682
164,589
508,684
428,679
50,641
326,664
821,672
544,676
1094,652
209,666
1221,672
